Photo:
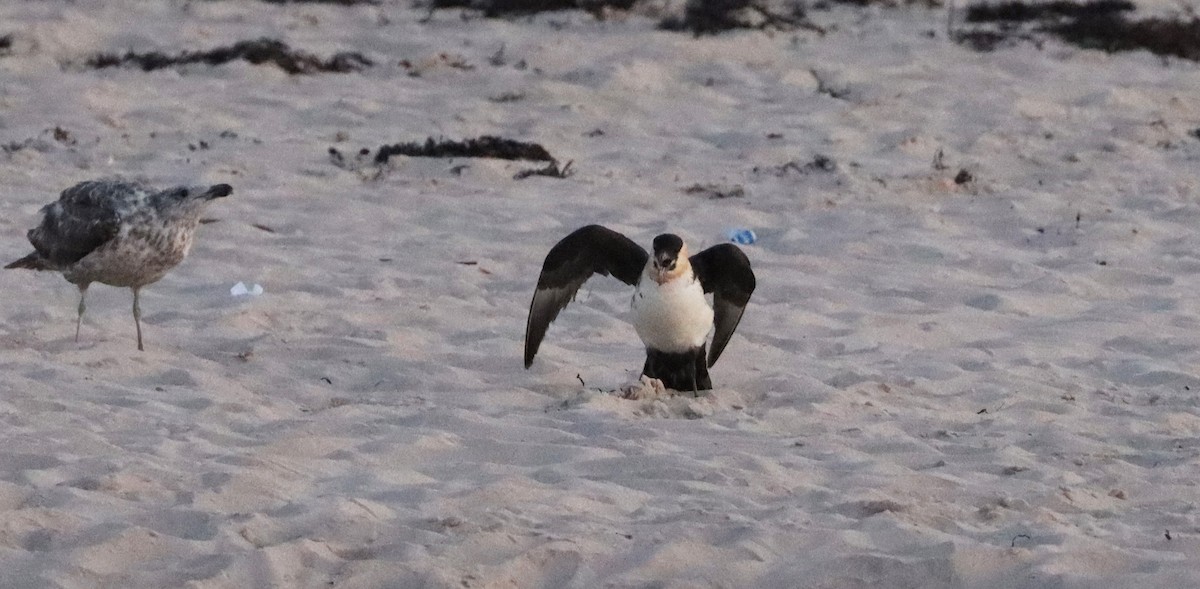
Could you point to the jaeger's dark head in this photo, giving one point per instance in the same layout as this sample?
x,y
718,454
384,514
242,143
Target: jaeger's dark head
x,y
669,257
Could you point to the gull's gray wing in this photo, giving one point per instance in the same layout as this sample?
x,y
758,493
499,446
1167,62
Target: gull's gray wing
x,y
586,251
84,217
724,271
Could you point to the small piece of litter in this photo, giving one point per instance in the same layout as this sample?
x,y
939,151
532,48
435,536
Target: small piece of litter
x,y
742,236
240,289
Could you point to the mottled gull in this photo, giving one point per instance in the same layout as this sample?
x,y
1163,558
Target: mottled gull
x,y
117,232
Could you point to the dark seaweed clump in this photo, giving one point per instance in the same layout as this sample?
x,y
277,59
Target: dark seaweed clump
x,y
1022,12
700,17
485,146
1115,33
1098,24
884,3
716,191
257,52
710,17
819,163
508,8
551,170
336,2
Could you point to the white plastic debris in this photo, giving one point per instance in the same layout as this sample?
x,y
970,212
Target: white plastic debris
x,y
240,289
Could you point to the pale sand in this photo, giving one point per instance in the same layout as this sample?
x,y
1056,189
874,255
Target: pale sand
x,y
934,385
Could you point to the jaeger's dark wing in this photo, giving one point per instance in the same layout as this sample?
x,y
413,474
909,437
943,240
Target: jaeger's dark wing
x,y
724,271
84,217
588,250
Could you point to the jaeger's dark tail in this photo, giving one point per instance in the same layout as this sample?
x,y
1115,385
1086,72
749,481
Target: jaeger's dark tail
x,y
683,371
33,261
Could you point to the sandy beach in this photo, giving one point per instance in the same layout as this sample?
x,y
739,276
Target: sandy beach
x,y
968,370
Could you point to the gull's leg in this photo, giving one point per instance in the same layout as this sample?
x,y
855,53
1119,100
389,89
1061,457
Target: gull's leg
x,y
137,318
82,307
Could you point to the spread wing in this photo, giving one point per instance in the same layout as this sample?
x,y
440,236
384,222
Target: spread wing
x,y
588,250
83,218
724,271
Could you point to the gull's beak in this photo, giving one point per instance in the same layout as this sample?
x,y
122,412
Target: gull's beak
x,y
218,191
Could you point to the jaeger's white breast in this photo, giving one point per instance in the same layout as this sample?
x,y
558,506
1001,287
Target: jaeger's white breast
x,y
671,317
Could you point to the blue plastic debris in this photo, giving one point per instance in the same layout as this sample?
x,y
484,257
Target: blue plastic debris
x,y
742,236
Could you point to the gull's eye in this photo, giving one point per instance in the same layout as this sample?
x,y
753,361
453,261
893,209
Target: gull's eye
x,y
183,193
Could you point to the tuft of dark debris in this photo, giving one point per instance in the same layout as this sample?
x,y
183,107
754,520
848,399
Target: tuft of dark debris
x,y
510,8
6,43
485,146
335,2
1195,132
359,160
716,191
963,177
41,143
257,52
507,97
819,163
824,86
983,40
710,17
552,170
1023,12
891,3
418,69
599,7
62,135
14,146
1113,32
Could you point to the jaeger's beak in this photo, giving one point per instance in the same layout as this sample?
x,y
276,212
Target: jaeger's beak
x,y
663,266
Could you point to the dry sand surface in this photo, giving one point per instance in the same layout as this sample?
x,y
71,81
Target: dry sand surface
x,y
987,384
